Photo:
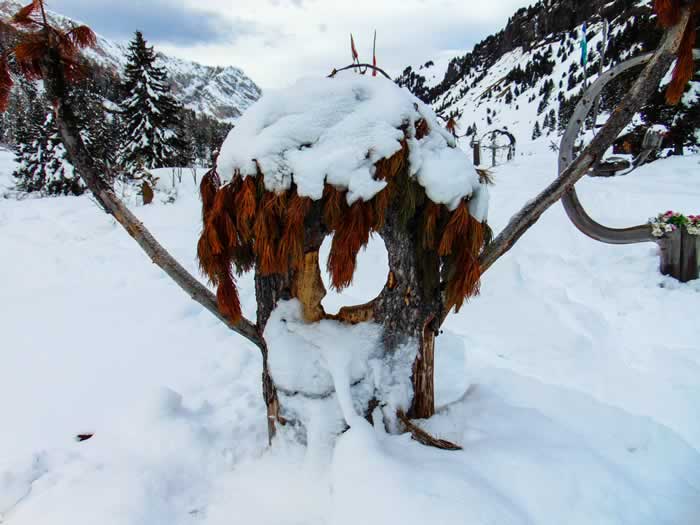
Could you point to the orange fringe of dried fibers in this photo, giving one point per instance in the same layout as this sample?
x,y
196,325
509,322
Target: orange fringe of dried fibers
x,y
207,189
334,206
351,234
227,299
267,234
219,238
430,219
245,204
388,170
291,246
422,129
668,12
462,241
685,64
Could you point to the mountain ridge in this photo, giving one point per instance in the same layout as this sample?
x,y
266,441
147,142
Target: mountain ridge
x,y
528,76
220,92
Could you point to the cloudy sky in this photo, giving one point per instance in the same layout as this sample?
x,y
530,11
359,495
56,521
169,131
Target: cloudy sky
x,y
278,41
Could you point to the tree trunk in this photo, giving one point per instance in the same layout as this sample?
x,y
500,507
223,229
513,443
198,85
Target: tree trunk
x,y
424,375
409,305
303,283
407,308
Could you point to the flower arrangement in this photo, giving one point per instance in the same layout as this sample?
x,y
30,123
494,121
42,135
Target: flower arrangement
x,y
693,225
670,221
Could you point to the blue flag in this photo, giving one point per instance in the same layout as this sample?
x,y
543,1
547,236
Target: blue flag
x,y
584,46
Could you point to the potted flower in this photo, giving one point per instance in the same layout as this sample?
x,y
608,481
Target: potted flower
x,y
693,225
679,237
671,221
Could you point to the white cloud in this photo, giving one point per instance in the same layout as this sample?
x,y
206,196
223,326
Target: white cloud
x,y
163,21
278,41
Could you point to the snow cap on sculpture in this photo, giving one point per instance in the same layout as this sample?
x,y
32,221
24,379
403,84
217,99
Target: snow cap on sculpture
x,y
334,131
348,147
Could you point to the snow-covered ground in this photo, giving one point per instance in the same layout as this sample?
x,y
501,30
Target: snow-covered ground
x,y
580,361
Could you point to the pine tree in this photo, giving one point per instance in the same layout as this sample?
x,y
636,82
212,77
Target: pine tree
x,y
41,160
150,113
29,143
103,134
43,163
536,132
100,127
509,97
185,133
552,120
26,112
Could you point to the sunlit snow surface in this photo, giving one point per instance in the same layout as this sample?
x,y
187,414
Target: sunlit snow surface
x,y
580,363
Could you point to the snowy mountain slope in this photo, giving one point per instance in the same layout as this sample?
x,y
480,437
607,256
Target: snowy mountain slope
x,y
580,358
219,92
530,73
431,73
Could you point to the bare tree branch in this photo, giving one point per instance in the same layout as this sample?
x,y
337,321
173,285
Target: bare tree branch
x,y
424,437
56,88
643,88
85,166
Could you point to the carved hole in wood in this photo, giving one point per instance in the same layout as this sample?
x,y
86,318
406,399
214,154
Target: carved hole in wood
x,y
371,275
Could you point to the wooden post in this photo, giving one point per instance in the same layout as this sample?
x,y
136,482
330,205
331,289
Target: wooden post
x,y
476,148
671,254
680,255
146,193
690,246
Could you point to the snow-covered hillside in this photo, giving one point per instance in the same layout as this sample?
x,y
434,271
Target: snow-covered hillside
x,y
580,363
530,73
219,92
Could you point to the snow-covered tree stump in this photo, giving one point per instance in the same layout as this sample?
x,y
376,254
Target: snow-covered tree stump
x,y
311,154
346,157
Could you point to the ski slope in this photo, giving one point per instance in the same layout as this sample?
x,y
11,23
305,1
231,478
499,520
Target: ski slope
x,y
580,364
